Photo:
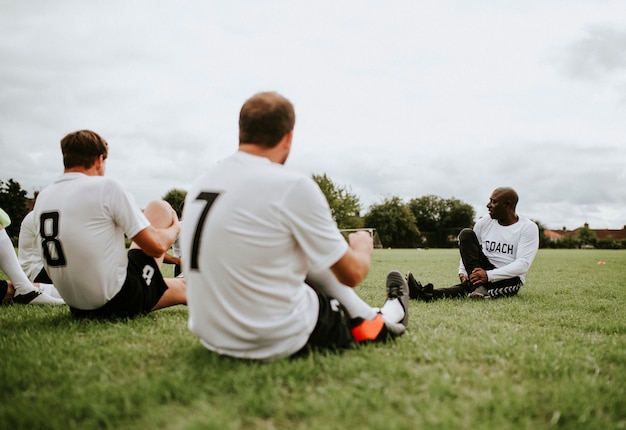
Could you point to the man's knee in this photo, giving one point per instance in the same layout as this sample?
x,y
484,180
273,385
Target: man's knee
x,y
159,213
467,234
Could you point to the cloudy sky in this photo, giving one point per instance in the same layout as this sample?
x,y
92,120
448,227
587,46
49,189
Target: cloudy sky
x,y
405,98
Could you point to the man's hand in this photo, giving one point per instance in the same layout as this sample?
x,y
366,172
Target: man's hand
x,y
353,267
478,277
361,241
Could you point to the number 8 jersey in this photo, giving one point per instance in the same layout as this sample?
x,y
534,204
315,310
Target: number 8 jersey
x,y
81,222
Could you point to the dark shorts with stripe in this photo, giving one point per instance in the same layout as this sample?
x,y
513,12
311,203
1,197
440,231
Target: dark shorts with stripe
x,y
143,288
333,330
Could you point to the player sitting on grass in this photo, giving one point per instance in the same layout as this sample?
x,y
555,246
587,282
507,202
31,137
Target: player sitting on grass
x,y
19,289
281,280
495,255
81,221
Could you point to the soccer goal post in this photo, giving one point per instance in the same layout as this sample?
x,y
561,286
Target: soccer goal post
x,y
372,232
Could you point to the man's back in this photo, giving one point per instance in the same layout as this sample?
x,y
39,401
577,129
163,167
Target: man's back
x,y
84,220
246,260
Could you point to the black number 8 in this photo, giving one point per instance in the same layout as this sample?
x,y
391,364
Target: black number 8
x,y
49,230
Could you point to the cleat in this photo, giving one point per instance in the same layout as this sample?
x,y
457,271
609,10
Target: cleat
x,y
415,286
375,330
480,293
364,330
394,329
417,291
37,298
397,288
428,293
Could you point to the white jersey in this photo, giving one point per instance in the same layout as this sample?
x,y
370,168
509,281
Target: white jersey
x,y
29,250
85,219
511,249
252,231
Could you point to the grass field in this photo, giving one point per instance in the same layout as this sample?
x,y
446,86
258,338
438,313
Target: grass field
x,y
552,357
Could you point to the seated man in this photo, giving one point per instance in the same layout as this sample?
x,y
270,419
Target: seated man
x,y
19,289
81,221
281,280
29,251
495,255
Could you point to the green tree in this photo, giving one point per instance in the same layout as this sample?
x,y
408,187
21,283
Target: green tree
x,y
395,223
344,205
440,220
427,211
457,214
13,202
544,242
586,236
568,242
176,198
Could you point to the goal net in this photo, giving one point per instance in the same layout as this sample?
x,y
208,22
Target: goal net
x,y
372,231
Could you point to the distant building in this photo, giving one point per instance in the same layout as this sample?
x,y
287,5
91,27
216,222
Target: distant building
x,y
610,234
554,236
600,235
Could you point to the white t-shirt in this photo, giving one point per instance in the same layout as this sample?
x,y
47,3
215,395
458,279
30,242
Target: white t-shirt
x,y
510,248
247,252
85,219
29,250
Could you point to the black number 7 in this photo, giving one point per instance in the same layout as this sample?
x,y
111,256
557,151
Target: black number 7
x,y
210,199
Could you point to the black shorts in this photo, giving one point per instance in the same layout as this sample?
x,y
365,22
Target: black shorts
x,y
333,330
43,278
143,288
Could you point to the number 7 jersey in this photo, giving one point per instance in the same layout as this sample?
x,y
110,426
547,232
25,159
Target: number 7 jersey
x,y
252,231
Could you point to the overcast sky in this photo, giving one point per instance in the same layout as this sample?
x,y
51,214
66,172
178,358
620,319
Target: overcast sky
x,y
401,98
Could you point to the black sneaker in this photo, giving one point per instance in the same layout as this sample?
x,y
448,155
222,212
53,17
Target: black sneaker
x,y
417,291
397,288
415,286
428,292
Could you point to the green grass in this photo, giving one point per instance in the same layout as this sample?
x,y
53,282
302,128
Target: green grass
x,y
552,357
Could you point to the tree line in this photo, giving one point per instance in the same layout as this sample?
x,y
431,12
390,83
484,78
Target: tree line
x,y
428,221
422,222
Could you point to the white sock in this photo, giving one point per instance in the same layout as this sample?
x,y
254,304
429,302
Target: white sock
x,y
11,266
392,310
50,290
327,283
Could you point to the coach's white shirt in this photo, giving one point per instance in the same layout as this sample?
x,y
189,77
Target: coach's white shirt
x,y
93,214
265,229
511,248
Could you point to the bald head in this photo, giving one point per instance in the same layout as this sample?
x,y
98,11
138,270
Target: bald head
x,y
502,204
507,194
